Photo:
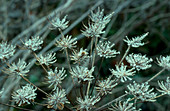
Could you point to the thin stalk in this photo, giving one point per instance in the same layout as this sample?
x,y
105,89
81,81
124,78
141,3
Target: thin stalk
x,y
157,96
34,85
16,107
127,50
156,75
91,47
97,77
88,88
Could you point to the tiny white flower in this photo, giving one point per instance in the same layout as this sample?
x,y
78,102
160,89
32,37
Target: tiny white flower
x,y
80,57
57,99
82,73
165,86
105,49
47,59
99,17
25,95
66,42
139,61
94,30
58,23
17,69
123,73
124,106
141,91
164,62
6,50
56,77
106,86
136,41
87,103
34,43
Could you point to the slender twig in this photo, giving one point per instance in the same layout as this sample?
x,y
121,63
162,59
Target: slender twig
x,y
34,85
16,107
124,55
156,75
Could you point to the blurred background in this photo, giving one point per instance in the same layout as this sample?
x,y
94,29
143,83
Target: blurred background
x,y
20,19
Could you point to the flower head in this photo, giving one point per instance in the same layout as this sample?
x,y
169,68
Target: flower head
x,y
56,77
138,61
17,69
99,17
25,95
88,103
47,59
164,62
123,73
80,57
57,99
165,86
124,106
82,73
58,23
105,50
136,41
6,50
34,43
106,86
94,30
66,42
141,91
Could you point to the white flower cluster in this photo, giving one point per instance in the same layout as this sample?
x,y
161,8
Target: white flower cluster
x,y
59,24
165,86
6,50
56,77
124,106
25,95
136,41
141,91
105,49
66,42
88,103
80,57
122,73
99,17
34,43
106,86
99,21
164,62
47,59
138,61
17,69
82,73
57,100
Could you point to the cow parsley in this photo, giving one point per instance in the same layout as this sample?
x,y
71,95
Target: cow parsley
x,y
57,99
25,95
87,103
55,77
47,59
17,69
122,73
106,86
138,61
105,49
59,24
66,42
141,91
6,50
164,62
34,43
82,73
136,41
165,86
